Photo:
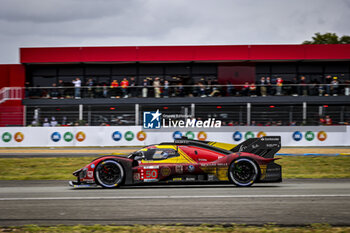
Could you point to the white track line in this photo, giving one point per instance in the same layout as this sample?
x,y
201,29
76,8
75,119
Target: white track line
x,y
170,197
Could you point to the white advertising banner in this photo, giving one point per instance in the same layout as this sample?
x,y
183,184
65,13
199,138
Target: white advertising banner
x,y
137,136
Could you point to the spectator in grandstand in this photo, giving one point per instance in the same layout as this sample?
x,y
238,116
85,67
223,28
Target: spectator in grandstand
x,y
166,89
322,121
133,90
293,123
230,123
302,86
328,81
245,89
201,90
321,90
34,123
328,120
269,86
156,86
105,90
114,89
53,122
262,84
60,86
252,89
64,121
90,91
279,83
180,90
125,85
54,92
335,86
46,122
145,88
77,85
216,92
98,91
313,87
230,91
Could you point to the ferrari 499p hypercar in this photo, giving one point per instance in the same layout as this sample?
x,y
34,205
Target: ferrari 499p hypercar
x,y
186,160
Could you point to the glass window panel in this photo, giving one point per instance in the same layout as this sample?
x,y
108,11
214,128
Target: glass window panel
x,y
71,70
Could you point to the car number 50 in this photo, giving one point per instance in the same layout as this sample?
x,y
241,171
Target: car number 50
x,y
151,174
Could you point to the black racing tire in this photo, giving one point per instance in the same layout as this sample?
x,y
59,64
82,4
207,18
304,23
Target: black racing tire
x,y
243,172
109,174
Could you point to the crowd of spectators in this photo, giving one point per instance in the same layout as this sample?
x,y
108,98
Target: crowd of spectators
x,y
206,87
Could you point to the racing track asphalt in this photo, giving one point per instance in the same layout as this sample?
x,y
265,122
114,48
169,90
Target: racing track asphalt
x,y
293,202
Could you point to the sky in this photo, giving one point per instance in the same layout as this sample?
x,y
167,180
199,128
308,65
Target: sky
x,y
61,23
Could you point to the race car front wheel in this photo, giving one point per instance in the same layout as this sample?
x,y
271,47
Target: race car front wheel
x,y
109,174
243,172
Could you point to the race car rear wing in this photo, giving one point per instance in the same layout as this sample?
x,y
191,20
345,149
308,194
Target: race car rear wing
x,y
265,147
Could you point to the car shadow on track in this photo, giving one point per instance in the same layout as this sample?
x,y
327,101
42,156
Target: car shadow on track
x,y
182,186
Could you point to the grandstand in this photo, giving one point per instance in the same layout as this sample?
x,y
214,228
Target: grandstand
x,y
96,86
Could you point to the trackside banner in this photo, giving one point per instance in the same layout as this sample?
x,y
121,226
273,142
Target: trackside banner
x,y
140,136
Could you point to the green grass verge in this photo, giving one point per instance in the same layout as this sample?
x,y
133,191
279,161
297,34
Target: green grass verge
x,y
314,228
315,166
62,168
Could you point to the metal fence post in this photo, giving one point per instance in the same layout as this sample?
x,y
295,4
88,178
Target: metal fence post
x,y
193,108
80,112
249,106
304,112
137,114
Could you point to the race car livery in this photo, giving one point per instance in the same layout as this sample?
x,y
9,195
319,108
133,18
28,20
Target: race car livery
x,y
186,160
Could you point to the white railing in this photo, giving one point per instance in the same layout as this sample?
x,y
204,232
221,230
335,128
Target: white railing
x,y
11,93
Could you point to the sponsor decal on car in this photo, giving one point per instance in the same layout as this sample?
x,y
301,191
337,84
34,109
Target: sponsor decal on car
x,y
165,171
179,169
137,176
191,168
90,174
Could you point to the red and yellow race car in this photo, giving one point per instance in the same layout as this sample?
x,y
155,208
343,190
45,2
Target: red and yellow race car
x,y
186,160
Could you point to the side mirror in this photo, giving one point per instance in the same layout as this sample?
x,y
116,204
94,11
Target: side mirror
x,y
139,155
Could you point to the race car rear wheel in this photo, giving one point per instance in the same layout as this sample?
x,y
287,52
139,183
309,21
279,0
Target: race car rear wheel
x,y
243,172
109,174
